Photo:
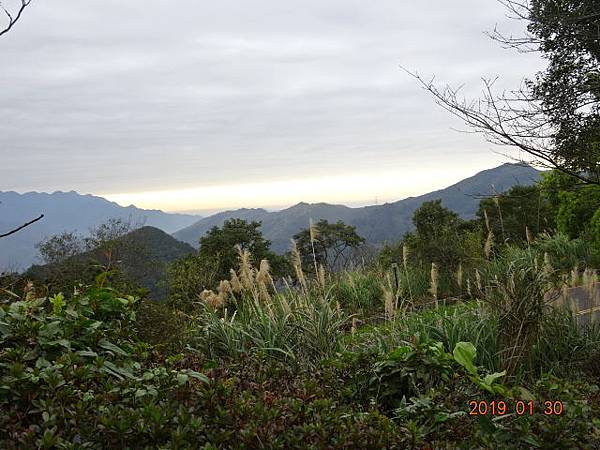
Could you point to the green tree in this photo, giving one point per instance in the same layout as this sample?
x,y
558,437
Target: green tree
x,y
60,247
218,247
442,237
512,213
188,277
104,255
332,244
574,203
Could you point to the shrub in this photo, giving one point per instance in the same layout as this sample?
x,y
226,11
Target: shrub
x,y
564,253
68,371
448,325
359,292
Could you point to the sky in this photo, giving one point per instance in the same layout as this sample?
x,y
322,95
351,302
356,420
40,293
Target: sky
x,y
192,105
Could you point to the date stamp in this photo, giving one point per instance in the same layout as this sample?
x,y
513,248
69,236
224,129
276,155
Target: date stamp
x,y
518,407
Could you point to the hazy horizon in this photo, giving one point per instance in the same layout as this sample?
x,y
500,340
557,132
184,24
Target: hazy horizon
x,y
275,207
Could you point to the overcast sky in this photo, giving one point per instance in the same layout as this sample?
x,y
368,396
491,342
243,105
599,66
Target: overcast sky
x,y
198,105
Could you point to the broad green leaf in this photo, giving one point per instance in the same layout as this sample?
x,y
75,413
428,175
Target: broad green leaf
x,y
140,393
464,354
490,379
525,394
120,372
62,342
50,330
4,329
112,347
198,376
182,378
87,353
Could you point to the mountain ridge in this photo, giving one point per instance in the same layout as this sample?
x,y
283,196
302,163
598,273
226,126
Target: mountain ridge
x,y
376,223
66,211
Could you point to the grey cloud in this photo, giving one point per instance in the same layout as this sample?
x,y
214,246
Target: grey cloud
x,y
119,96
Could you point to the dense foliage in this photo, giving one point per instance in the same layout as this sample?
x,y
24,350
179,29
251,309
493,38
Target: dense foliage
x,y
327,244
569,88
218,247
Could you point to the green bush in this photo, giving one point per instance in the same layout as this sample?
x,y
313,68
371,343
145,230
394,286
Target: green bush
x,y
359,292
68,372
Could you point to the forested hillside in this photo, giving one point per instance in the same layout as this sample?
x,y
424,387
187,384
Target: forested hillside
x,y
377,223
66,211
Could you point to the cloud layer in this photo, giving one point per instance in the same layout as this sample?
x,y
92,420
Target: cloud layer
x,y
116,97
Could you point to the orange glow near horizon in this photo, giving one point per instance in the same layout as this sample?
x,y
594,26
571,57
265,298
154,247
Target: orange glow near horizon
x,y
348,189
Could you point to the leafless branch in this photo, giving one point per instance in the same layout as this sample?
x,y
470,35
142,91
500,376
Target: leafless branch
x,y
22,226
509,119
13,19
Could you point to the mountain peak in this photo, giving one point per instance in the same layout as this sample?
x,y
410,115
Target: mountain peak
x,y
378,223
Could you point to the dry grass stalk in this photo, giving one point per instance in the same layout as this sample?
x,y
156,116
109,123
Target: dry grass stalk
x,y
264,281
297,263
575,276
434,283
460,276
389,303
589,281
564,294
478,282
235,282
405,262
489,245
264,273
405,256
529,235
224,288
548,269
321,276
314,235
213,299
497,203
246,272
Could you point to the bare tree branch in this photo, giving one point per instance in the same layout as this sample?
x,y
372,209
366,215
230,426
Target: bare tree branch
x,y
22,226
12,20
510,119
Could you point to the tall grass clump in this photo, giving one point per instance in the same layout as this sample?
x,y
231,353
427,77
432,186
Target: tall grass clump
x,y
449,325
249,316
515,288
564,345
359,292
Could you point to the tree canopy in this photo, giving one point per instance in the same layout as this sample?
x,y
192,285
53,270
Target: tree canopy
x,y
441,236
219,247
331,243
512,213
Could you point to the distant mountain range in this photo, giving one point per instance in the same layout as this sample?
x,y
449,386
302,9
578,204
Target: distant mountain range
x,y
69,211
66,211
378,223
